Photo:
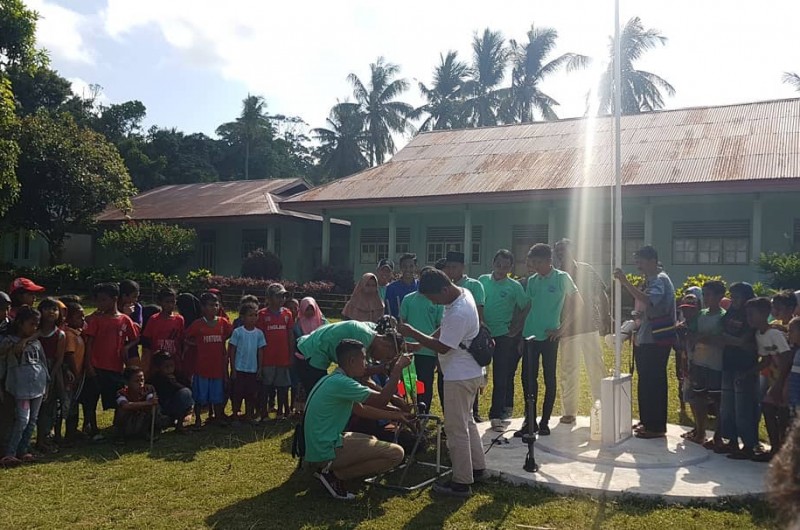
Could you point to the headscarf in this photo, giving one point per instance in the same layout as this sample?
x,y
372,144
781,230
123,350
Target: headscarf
x,y
189,307
309,324
363,306
698,292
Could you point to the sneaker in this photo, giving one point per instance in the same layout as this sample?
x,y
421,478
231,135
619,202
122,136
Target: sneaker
x,y
524,430
764,456
567,420
742,454
334,486
478,418
507,412
544,429
452,489
479,476
498,425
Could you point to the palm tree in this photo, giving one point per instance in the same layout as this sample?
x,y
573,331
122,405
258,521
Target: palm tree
x,y
384,115
791,78
489,59
531,69
342,143
445,105
641,90
251,124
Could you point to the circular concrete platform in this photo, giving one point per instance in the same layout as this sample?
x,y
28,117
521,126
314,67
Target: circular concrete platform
x,y
670,468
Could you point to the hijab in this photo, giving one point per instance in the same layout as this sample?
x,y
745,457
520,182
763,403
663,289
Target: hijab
x,y
189,307
309,324
363,306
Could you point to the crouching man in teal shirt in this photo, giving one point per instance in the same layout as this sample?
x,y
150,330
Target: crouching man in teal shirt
x,y
339,455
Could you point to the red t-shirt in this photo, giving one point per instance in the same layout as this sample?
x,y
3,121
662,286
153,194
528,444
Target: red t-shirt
x,y
164,333
210,341
110,334
277,328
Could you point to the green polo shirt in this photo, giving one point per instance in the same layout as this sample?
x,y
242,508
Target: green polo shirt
x,y
382,291
423,315
502,298
319,347
327,412
473,286
547,295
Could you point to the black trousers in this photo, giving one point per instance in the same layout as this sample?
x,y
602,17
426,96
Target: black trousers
x,y
546,352
504,366
426,369
309,375
651,364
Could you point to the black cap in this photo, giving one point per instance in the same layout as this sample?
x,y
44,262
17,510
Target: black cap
x,y
4,298
440,263
385,262
455,257
646,252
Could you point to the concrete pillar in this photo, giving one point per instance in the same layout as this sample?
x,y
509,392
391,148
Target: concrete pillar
x,y
756,228
552,234
467,238
326,238
648,224
392,235
271,238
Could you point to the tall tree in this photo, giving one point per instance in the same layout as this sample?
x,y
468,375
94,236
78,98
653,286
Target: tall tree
x,y
791,78
531,68
484,95
68,175
444,105
641,90
384,115
38,88
18,36
9,148
251,126
341,152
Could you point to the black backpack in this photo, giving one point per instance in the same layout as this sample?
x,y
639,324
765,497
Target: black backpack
x,y
482,346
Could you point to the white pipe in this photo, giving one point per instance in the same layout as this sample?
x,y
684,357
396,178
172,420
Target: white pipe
x,y
617,191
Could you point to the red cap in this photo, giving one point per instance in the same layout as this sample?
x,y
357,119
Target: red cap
x,y
24,284
213,290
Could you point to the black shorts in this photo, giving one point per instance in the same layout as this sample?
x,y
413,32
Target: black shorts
x,y
105,384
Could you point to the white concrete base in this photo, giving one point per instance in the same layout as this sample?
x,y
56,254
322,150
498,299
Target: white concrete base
x,y
670,468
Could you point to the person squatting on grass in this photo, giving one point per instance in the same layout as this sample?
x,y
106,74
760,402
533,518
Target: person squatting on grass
x,y
339,456
463,377
173,391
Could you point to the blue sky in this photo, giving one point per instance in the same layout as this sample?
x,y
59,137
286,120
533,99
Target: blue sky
x,y
191,62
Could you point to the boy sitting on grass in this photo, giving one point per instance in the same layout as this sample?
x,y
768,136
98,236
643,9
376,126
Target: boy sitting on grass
x,y
175,396
136,403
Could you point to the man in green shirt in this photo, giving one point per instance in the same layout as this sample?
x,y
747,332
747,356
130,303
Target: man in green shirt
x,y
319,348
505,300
454,269
553,296
419,312
338,455
384,272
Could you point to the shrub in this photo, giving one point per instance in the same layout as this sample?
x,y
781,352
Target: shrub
x,y
262,265
342,279
783,269
196,280
696,281
317,288
247,284
761,289
151,246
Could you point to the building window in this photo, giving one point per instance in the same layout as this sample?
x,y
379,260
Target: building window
x,y
22,245
523,237
443,239
632,240
253,240
208,249
711,243
374,244
629,247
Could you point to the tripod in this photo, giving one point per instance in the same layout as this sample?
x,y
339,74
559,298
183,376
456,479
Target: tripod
x,y
529,437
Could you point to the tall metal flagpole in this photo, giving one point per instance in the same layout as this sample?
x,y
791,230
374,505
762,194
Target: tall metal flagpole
x,y
617,192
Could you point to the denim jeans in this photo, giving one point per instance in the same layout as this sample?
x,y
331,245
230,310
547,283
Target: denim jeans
x,y
739,407
504,364
26,415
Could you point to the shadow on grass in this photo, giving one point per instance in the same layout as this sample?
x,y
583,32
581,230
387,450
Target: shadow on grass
x,y
172,447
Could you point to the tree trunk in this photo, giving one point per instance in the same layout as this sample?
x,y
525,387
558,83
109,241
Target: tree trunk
x,y
247,160
55,248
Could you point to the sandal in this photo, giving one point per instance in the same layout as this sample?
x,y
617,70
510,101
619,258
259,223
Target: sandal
x,y
689,434
709,444
649,435
10,461
28,458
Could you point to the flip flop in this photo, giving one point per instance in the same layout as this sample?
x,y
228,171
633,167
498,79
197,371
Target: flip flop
x,y
688,434
10,461
28,458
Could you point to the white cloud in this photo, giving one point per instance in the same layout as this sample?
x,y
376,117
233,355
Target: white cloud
x,y
83,88
60,31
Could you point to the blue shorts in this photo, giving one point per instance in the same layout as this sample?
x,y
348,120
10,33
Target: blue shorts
x,y
207,391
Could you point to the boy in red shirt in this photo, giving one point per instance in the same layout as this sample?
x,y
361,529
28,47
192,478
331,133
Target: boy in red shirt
x,y
109,335
277,324
208,336
163,332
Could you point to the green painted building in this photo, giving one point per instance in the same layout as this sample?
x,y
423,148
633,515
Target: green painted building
x,y
711,188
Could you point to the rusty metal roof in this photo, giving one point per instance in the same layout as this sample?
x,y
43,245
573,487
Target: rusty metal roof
x,y
734,144
215,199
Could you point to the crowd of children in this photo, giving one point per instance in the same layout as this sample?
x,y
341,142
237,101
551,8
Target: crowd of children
x,y
740,358
155,366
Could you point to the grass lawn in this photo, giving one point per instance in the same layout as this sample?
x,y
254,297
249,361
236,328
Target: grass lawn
x,y
246,478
